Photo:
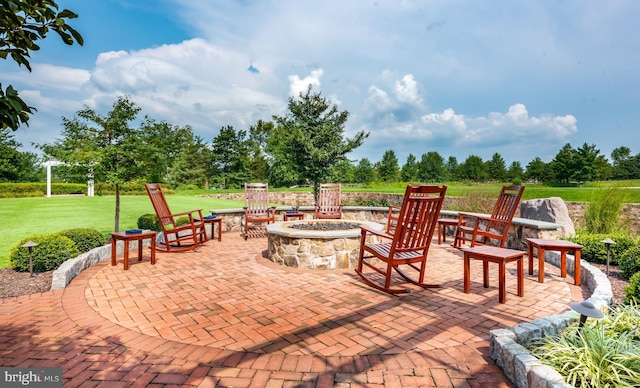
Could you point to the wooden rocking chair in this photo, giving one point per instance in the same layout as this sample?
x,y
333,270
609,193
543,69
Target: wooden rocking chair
x,y
409,243
479,230
177,238
257,209
329,205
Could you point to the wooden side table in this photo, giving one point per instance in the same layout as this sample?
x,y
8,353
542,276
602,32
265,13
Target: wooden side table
x,y
293,216
502,256
127,238
443,223
216,221
554,245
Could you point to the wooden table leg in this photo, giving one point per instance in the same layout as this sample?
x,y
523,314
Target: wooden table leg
x,y
467,270
140,250
563,263
576,267
530,255
485,273
540,264
126,254
440,233
153,250
521,276
113,250
501,282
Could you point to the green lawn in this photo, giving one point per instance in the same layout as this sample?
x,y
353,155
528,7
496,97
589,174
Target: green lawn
x,y
23,217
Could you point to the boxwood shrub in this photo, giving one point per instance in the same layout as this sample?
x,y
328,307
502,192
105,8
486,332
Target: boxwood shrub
x,y
85,238
595,251
149,222
632,291
630,261
52,250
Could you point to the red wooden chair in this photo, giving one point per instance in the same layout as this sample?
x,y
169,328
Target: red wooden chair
x,y
329,205
256,205
177,238
480,230
409,243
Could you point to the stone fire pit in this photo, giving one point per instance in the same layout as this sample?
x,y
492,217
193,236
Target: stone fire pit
x,y
318,248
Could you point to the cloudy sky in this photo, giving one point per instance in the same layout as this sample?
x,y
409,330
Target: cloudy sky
x,y
468,77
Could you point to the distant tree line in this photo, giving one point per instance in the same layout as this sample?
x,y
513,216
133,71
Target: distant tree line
x,y
304,146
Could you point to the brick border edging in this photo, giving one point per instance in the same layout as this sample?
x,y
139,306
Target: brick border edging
x,y
508,347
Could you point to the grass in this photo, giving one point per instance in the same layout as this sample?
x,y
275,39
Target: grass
x,y
24,217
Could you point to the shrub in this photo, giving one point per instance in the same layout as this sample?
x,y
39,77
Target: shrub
x,y
632,291
369,201
595,251
85,238
52,250
603,353
630,261
149,222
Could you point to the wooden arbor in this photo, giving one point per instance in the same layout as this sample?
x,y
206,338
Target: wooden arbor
x,y
177,238
409,243
479,230
256,205
329,204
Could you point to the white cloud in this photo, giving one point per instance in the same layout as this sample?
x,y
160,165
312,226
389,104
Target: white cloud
x,y
299,85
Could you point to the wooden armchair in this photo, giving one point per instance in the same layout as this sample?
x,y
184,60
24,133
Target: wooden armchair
x,y
479,230
256,205
409,244
329,204
177,238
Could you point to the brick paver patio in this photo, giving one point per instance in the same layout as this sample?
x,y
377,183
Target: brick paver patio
x,y
226,316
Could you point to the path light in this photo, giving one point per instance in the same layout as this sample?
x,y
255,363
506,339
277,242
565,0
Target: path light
x,y
586,310
29,245
608,242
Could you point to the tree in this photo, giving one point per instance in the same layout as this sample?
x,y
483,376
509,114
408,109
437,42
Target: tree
x,y
258,163
22,24
163,143
105,144
230,157
365,173
311,137
625,166
536,170
388,169
409,171
431,167
10,157
193,165
343,172
589,165
473,169
563,164
515,172
452,169
496,168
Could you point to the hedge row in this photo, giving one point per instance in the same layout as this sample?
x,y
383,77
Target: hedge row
x,y
22,190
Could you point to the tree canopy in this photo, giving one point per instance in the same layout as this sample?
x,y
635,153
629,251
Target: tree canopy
x,y
22,24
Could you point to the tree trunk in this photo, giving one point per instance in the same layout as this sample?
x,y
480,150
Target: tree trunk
x,y
117,228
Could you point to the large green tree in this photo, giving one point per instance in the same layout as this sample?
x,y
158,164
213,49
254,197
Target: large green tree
x,y
388,169
365,173
230,157
431,167
473,169
163,143
409,170
496,168
107,145
22,24
193,165
311,136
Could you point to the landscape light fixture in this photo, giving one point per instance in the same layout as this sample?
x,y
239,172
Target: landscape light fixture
x,y
608,243
29,245
586,310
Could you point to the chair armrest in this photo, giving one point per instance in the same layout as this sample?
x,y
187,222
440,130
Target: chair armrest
x,y
187,213
367,229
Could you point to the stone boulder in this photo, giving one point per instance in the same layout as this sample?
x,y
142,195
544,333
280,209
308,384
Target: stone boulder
x,y
550,210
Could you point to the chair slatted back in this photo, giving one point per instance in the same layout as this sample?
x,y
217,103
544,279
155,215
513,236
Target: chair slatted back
x,y
160,204
256,198
505,207
330,197
418,217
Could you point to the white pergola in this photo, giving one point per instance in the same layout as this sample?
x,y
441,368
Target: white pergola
x,y
52,163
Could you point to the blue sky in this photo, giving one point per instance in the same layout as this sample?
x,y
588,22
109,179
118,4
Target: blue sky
x,y
521,78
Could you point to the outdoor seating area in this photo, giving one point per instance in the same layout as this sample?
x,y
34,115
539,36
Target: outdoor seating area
x,y
193,326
